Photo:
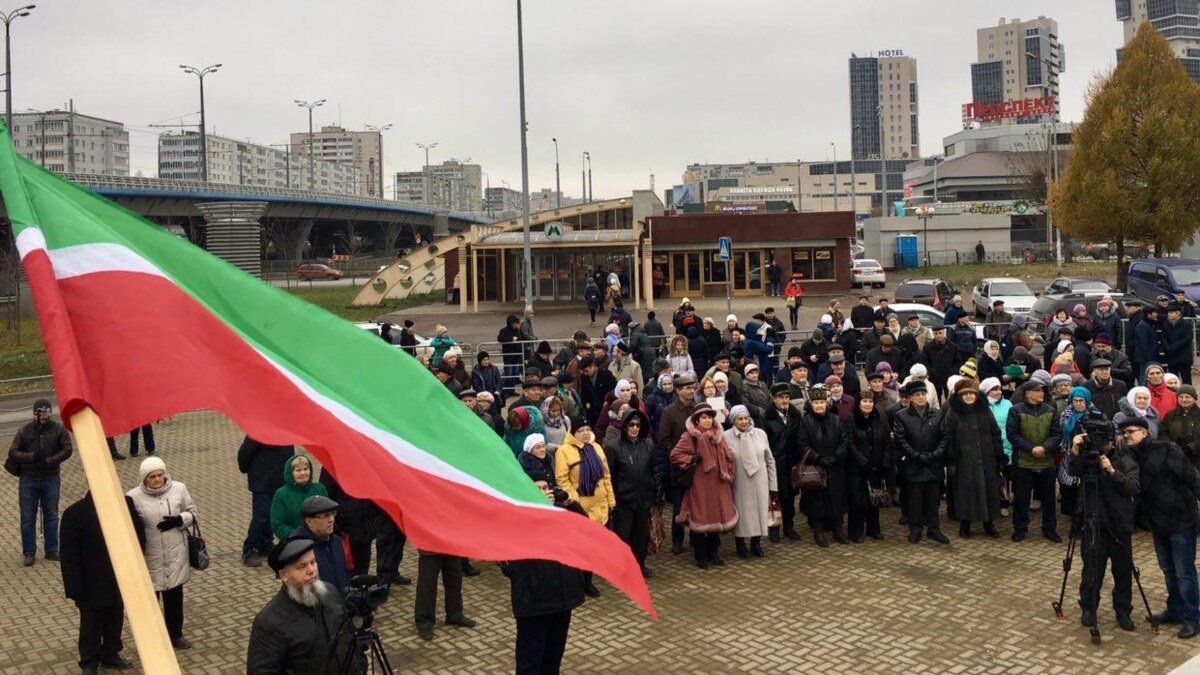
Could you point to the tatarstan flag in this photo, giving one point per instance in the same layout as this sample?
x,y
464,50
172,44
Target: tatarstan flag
x,y
140,325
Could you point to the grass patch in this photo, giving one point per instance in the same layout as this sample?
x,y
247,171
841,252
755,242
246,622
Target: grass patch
x,y
964,277
28,359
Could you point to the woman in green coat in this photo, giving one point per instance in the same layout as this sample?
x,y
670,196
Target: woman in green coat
x,y
298,485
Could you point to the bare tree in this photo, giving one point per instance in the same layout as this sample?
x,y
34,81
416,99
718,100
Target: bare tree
x,y
352,243
1030,167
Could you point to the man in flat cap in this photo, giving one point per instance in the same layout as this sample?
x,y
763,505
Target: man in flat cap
x,y
301,629
319,513
671,426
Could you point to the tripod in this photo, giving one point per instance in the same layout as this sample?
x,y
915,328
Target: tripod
x,y
367,654
1088,527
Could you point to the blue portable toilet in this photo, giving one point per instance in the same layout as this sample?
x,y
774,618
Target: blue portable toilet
x,y
906,251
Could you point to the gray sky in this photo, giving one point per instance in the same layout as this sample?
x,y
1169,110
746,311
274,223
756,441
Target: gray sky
x,y
645,86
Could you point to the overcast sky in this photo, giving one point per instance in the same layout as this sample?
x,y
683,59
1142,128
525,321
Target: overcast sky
x,y
646,86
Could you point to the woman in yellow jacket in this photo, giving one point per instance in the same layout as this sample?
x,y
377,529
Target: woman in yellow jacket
x,y
581,470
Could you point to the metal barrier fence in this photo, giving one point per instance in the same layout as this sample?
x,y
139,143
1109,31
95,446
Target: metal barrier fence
x,y
1016,254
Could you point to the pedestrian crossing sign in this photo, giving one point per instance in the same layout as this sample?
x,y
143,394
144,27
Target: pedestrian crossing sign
x,y
725,249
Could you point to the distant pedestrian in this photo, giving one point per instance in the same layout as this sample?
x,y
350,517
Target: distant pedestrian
x,y
774,275
37,450
167,511
440,343
593,299
263,465
980,252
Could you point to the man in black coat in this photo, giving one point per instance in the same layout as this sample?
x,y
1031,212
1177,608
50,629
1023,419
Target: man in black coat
x,y
302,629
1118,483
511,352
363,522
637,483
887,351
88,579
1179,343
814,352
594,384
37,451
777,419
942,358
263,465
654,330
922,447
1107,391
863,313
671,426
1121,367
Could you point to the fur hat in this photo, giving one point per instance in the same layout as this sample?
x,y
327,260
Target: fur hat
x,y
965,384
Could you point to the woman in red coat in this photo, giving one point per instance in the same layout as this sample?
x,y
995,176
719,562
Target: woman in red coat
x,y
707,507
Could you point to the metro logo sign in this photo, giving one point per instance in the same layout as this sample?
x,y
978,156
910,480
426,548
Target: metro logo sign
x,y
987,112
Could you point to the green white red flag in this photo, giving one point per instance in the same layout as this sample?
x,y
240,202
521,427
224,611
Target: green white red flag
x,y
139,325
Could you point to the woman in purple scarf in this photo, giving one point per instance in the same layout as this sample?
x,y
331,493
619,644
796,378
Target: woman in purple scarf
x,y
582,471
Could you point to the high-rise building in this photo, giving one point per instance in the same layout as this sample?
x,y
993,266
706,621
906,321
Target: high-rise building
x,y
68,142
362,149
1177,20
450,185
245,163
883,91
1017,60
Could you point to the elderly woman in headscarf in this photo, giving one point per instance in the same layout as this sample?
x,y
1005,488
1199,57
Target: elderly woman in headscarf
x,y
867,437
626,392
1079,401
658,399
893,326
1137,403
989,364
1173,382
707,508
555,422
581,470
536,459
755,483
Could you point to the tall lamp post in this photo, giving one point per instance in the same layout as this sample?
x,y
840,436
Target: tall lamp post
x,y
925,213
883,210
583,174
557,182
524,164
591,193
1052,148
379,158
8,19
311,167
835,176
428,174
200,73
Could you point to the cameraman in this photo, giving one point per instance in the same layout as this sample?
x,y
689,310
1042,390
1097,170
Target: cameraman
x,y
1167,509
1118,486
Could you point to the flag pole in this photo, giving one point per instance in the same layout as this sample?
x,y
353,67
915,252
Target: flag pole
x,y
137,592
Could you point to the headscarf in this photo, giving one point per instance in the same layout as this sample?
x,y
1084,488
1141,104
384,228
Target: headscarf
x,y
532,440
552,422
665,377
749,460
1131,396
1062,346
989,346
612,329
741,410
1070,415
622,385
1172,376
731,317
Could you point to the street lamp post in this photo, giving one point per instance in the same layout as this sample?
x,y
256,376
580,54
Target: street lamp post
x,y
487,195
428,174
557,183
379,158
1052,174
835,176
524,164
591,192
8,19
311,163
882,166
925,213
200,73
583,174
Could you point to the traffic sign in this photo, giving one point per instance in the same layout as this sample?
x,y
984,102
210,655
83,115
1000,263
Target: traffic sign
x,y
725,249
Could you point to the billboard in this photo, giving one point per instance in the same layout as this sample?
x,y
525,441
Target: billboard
x,y
988,112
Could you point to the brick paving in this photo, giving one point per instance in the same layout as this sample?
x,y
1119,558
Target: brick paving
x,y
977,606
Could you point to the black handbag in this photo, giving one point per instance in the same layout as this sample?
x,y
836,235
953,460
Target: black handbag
x,y
808,476
197,549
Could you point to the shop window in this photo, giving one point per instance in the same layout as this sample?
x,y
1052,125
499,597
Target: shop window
x,y
814,262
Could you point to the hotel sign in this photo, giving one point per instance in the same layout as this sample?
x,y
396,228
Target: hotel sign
x,y
988,112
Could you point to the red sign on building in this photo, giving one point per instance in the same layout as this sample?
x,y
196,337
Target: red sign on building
x,y
987,112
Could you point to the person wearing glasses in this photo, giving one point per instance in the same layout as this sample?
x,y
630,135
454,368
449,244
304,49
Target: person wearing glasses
x,y
637,482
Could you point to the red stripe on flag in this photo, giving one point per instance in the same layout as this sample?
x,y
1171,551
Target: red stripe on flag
x,y
149,350
62,347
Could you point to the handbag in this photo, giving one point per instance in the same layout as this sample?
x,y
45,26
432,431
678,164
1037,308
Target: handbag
x,y
11,466
774,517
197,549
808,476
682,478
791,302
878,495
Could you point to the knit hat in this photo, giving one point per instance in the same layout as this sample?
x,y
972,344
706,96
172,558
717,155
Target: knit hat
x,y
532,440
1152,365
914,387
817,334
544,348
408,323
988,385
720,377
150,465
1187,389
454,351
1081,392
883,367
481,355
832,380
1041,377
795,352
968,369
749,367
1079,308
918,370
523,418
1103,339
1060,379
731,317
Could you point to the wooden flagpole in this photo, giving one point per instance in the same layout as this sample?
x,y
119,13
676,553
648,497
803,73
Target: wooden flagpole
x,y
145,619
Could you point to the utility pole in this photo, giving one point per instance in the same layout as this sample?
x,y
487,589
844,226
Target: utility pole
x,y
8,19
379,132
557,184
311,163
583,174
835,176
591,193
524,164
428,173
200,73
883,207
71,136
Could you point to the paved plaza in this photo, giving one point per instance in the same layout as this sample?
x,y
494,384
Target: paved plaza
x,y
976,606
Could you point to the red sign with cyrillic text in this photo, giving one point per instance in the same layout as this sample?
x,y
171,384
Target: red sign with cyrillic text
x,y
1029,107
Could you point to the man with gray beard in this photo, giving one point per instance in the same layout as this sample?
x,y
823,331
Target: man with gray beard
x,y
301,629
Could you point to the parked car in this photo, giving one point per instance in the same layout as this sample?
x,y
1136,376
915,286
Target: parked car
x,y
933,292
1017,296
310,271
1078,285
1151,278
867,272
374,328
930,317
1047,306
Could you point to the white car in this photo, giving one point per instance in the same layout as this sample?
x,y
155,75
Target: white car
x,y
930,317
1018,298
374,327
867,272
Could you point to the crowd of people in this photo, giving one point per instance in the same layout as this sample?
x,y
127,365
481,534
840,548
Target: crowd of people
x,y
740,428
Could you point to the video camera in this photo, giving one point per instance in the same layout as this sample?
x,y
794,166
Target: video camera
x,y
364,595
1099,433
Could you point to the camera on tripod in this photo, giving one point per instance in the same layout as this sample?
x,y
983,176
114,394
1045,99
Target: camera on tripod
x,y
364,595
1099,434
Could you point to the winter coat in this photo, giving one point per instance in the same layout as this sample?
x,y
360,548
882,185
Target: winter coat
x,y
868,455
755,478
975,448
996,322
39,449
538,469
757,398
698,349
1182,426
1118,492
986,366
656,402
331,558
287,637
1168,504
1107,397
166,552
87,572
358,518
263,463
1013,337
641,350
1055,326
681,364
591,295
812,348
963,337
486,379
1178,344
897,358
285,505
708,505
1109,323
1029,427
628,369
608,411
592,394
440,343
1162,398
712,338
509,339
555,436
1145,343
543,587
1121,368
999,411
861,316
952,314
1126,411
820,438
636,473
920,444
566,474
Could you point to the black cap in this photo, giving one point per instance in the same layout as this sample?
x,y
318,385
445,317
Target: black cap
x,y
481,355
316,505
580,336
544,348
41,405
1139,422
915,386
721,357
997,303
288,551
795,352
874,376
1101,363
465,393
781,388
1174,307
938,327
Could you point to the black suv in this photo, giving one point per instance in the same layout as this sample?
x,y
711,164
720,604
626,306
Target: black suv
x,y
933,292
